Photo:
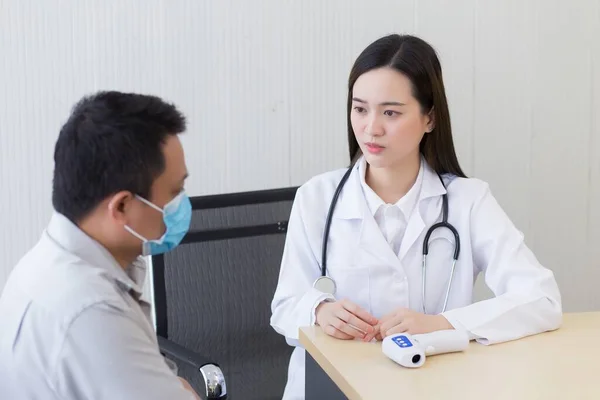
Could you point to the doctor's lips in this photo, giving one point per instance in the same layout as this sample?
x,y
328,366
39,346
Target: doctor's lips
x,y
374,148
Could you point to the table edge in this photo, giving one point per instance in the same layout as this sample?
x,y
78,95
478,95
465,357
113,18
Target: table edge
x,y
327,366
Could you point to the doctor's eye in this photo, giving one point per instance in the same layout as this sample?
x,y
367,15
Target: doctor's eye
x,y
391,113
359,109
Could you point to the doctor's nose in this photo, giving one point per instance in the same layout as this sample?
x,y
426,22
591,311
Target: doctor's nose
x,y
374,128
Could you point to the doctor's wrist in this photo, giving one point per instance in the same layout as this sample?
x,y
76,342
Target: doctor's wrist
x,y
443,323
319,307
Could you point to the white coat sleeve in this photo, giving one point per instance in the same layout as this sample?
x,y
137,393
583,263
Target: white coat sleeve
x,y
527,299
295,299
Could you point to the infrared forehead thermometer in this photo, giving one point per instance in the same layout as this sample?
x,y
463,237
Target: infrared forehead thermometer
x,y
410,350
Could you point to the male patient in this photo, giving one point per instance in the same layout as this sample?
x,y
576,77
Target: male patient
x,y
72,325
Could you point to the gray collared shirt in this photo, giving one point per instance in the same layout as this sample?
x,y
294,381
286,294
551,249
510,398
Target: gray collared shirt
x,y
72,326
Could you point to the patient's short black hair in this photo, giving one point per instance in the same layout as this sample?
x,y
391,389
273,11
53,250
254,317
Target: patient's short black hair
x,y
111,142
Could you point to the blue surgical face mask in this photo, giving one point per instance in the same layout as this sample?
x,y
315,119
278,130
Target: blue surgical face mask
x,y
177,215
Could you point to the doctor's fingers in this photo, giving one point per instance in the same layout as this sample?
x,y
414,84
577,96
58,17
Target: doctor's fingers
x,y
336,333
342,327
400,328
376,334
354,321
359,312
390,323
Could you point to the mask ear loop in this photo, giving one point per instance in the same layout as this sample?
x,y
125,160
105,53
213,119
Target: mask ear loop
x,y
143,200
134,233
157,208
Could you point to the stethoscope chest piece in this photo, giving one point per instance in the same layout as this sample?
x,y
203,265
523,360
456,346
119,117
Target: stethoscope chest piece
x,y
325,284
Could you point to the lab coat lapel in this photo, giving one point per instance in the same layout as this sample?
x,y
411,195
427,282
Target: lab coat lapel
x,y
372,241
413,231
353,205
431,187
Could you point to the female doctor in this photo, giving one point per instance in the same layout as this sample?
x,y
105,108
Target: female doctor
x,y
404,178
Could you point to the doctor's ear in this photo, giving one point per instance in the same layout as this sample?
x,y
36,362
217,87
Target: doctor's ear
x,y
118,204
430,120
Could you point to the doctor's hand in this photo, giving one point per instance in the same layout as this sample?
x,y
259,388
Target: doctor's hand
x,y
404,320
345,320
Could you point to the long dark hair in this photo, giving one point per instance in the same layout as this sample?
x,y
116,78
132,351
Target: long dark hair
x,y
418,61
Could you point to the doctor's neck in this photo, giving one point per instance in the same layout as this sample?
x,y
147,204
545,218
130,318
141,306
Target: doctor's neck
x,y
391,183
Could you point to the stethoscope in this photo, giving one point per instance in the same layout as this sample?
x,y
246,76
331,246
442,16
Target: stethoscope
x,y
326,284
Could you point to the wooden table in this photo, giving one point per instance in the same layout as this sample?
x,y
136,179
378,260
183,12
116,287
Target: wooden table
x,y
563,364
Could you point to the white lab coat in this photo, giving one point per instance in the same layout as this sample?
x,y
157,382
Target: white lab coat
x,y
367,271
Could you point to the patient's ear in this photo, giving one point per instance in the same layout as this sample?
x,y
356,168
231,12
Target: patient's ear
x,y
119,204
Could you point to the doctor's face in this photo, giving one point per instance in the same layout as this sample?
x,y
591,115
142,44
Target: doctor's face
x,y
387,120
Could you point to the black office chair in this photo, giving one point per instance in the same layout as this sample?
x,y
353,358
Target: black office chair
x,y
213,294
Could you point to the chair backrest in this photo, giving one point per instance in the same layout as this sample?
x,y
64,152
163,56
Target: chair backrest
x,y
212,294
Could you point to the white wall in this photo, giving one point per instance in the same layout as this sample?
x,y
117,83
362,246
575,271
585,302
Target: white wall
x,y
264,86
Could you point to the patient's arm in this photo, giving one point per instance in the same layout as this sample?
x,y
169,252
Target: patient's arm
x,y
190,388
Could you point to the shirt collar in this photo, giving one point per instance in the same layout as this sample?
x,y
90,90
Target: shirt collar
x,y
72,239
406,204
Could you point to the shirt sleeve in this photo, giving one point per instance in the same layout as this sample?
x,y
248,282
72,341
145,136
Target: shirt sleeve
x,y
107,355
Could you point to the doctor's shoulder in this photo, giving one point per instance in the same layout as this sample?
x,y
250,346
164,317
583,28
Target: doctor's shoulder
x,y
467,188
316,193
473,195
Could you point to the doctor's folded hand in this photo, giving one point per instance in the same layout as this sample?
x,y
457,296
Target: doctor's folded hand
x,y
404,320
345,320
